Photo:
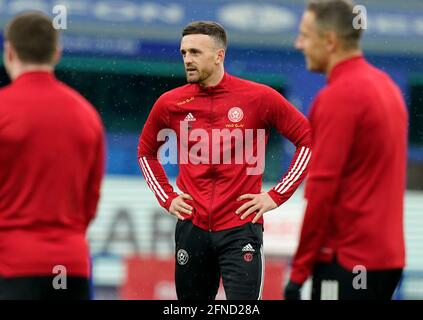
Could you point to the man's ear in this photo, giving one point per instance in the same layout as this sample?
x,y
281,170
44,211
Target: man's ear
x,y
220,56
57,54
9,51
332,41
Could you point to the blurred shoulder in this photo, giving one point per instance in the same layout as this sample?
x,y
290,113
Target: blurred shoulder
x,y
79,100
178,93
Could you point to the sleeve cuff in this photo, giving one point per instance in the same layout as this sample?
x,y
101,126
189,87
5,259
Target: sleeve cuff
x,y
298,277
276,197
168,202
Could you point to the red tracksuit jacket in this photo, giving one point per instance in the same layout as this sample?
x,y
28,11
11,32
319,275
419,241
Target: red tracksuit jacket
x,y
51,166
356,182
241,107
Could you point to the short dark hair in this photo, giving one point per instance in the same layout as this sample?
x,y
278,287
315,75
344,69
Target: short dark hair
x,y
338,16
210,28
33,37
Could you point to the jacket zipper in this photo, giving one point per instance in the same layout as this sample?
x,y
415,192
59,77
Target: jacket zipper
x,y
211,164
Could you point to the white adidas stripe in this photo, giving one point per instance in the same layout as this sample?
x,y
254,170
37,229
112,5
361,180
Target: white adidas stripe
x,y
292,170
154,178
298,174
307,152
302,156
262,273
149,181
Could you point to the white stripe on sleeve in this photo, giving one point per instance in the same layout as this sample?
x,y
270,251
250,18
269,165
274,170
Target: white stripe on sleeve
x,y
154,179
149,181
293,174
304,166
293,168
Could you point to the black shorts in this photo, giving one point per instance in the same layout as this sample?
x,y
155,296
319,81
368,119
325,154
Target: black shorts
x,y
203,257
43,288
333,282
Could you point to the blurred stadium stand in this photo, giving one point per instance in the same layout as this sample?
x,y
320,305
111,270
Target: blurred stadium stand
x,y
121,55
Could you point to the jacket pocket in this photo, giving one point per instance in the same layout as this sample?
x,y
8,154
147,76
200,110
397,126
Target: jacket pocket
x,y
256,230
178,229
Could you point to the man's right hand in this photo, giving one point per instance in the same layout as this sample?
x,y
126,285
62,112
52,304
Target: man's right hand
x,y
179,206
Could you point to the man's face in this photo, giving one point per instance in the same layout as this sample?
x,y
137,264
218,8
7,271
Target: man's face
x,y
312,44
200,57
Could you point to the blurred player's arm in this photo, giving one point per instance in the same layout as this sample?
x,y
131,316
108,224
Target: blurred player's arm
x,y
148,146
294,126
96,176
332,119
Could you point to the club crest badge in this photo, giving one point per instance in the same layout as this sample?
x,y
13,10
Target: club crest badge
x,y
248,257
182,257
235,114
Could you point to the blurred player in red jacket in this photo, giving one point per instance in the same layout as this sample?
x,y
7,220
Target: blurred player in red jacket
x,y
222,124
352,239
51,167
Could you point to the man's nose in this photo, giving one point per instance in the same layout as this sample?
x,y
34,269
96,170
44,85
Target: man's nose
x,y
298,44
187,59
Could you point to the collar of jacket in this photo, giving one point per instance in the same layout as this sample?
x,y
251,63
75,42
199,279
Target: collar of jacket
x,y
220,87
345,66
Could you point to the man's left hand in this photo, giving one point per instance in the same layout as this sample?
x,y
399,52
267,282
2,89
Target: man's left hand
x,y
261,202
292,291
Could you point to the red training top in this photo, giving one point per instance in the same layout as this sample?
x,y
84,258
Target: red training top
x,y
356,182
51,160
215,171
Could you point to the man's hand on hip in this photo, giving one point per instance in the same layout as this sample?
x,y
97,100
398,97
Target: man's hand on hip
x,y
179,206
261,202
